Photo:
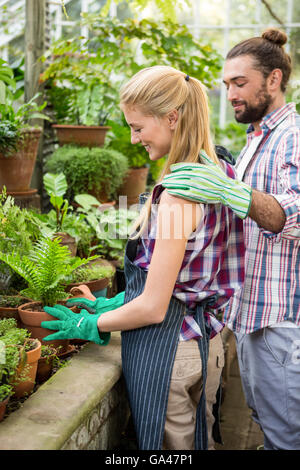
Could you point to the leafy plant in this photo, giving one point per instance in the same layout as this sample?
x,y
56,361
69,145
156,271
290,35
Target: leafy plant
x,y
91,273
89,169
56,187
84,75
10,136
18,229
45,270
15,116
5,391
6,79
12,301
15,341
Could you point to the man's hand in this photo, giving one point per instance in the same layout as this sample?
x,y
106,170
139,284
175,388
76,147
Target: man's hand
x,y
208,184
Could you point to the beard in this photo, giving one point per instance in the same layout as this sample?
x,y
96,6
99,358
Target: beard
x,y
254,113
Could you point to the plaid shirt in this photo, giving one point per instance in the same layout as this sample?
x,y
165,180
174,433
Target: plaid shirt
x,y
271,292
213,264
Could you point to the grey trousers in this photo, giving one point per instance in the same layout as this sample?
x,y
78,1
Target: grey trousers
x,y
269,361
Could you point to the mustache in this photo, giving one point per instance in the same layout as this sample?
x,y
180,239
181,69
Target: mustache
x,y
237,103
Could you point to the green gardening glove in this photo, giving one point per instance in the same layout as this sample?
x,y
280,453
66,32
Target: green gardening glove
x,y
98,306
208,184
72,325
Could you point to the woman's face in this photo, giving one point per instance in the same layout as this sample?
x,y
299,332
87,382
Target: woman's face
x,y
155,134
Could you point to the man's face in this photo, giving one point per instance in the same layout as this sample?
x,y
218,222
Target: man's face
x,y
247,89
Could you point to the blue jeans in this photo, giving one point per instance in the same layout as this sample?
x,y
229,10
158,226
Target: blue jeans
x,y
269,361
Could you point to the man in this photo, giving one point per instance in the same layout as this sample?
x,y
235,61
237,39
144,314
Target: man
x,y
265,315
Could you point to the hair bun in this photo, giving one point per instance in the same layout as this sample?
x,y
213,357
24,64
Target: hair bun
x,y
276,36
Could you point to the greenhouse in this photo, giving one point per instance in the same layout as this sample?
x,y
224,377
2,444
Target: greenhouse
x,y
149,227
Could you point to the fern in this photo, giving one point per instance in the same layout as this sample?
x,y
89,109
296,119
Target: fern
x,y
45,269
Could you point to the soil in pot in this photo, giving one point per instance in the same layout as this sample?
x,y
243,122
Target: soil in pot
x,y
31,315
24,379
9,307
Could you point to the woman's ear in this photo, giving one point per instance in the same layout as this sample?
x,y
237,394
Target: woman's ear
x,y
173,118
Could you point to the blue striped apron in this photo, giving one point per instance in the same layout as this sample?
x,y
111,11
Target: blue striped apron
x,y
148,355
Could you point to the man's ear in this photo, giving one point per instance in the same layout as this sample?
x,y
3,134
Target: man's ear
x,y
173,118
274,79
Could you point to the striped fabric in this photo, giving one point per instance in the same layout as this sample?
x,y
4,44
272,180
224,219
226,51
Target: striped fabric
x,y
271,291
207,183
213,264
148,355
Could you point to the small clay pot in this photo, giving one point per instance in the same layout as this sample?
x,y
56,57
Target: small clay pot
x,y
23,387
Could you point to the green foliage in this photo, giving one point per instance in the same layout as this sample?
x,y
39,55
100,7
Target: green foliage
x,y
88,169
91,273
165,7
13,115
45,270
113,231
6,79
5,391
56,187
18,229
15,342
85,75
12,301
10,136
232,136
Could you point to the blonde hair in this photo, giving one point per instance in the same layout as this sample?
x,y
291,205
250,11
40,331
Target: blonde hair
x,y
158,90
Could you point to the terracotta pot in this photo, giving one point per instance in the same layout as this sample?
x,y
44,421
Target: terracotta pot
x,y
17,169
99,286
22,387
45,367
134,184
3,405
86,136
67,240
12,312
32,315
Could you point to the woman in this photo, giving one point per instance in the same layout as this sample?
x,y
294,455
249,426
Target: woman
x,y
182,265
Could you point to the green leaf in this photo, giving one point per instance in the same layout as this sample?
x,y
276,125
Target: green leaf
x,y
55,184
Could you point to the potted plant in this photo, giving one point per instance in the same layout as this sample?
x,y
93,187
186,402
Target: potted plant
x,y
81,94
46,363
5,392
98,171
18,230
18,140
97,276
9,306
56,187
45,270
21,357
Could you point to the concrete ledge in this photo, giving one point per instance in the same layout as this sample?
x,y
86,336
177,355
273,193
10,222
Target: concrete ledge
x,y
82,406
